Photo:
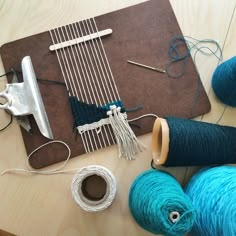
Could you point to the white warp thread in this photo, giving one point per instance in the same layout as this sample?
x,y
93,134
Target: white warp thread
x,y
128,143
85,203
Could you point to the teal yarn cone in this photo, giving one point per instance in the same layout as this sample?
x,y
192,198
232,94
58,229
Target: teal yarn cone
x,y
224,82
195,143
213,193
159,205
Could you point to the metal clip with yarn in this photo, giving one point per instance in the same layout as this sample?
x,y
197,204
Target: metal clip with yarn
x,y
25,98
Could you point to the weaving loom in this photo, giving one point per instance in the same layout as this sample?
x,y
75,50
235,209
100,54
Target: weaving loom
x,y
93,95
96,76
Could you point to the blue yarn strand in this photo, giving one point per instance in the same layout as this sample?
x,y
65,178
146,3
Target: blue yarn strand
x,y
213,192
180,50
153,196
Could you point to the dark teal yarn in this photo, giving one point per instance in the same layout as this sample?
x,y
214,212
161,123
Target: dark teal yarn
x,y
224,82
85,113
181,47
153,197
195,143
213,193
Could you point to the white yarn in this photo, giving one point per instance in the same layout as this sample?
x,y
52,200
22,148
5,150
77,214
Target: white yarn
x,y
43,172
77,180
85,203
144,116
128,144
96,125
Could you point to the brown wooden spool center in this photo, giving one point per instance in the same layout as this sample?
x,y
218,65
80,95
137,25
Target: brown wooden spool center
x,y
94,187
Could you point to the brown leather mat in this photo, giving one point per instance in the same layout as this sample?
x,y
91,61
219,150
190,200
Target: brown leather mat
x,y
140,33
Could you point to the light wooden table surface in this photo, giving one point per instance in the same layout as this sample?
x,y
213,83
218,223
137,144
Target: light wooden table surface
x,y
42,205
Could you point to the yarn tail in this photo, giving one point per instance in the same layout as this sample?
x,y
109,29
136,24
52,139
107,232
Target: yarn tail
x,y
128,144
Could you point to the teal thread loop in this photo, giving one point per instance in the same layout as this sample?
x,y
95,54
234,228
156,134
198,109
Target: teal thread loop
x,y
180,50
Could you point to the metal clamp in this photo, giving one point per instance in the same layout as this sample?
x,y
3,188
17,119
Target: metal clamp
x,y
25,98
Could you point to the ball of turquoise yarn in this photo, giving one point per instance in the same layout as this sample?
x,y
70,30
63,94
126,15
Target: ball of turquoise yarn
x,y
159,205
213,193
224,82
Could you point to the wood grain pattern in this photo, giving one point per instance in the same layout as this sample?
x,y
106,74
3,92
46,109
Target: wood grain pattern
x,y
42,205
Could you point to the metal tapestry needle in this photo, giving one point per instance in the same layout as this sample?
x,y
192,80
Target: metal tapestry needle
x,y
147,67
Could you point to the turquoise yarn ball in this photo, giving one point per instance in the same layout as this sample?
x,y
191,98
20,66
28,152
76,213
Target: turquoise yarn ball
x,y
159,205
224,82
213,193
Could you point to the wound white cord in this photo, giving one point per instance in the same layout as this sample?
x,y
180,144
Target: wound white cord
x,y
77,181
84,201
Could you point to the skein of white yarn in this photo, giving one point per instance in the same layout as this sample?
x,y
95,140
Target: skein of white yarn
x,y
86,200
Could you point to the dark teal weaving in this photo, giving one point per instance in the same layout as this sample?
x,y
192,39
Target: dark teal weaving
x,y
85,113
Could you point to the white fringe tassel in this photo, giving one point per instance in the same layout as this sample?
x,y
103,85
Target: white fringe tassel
x,y
127,142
